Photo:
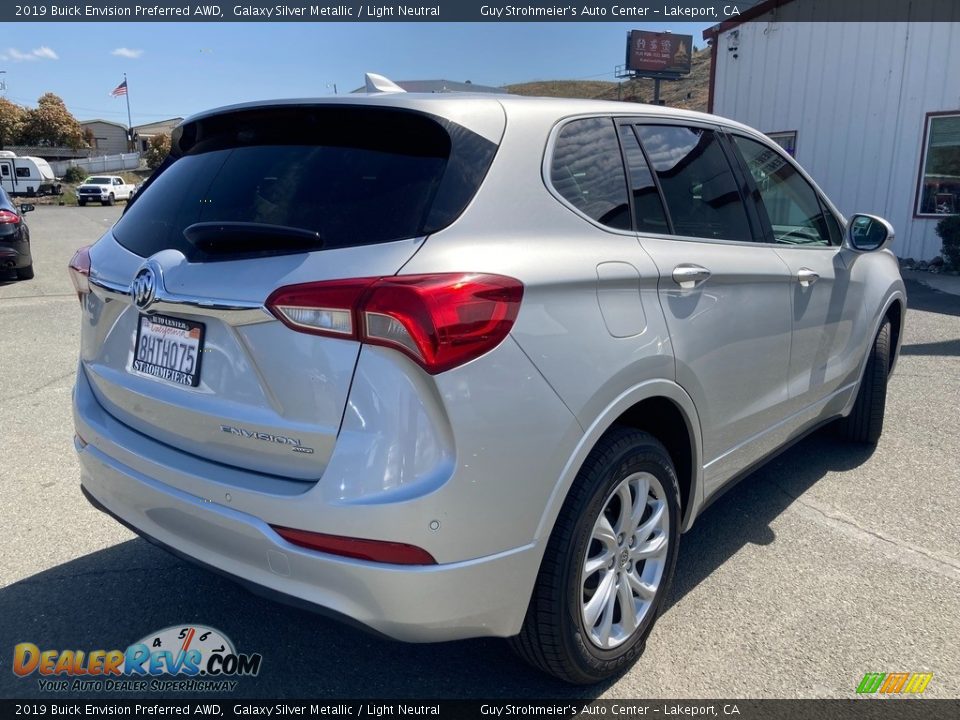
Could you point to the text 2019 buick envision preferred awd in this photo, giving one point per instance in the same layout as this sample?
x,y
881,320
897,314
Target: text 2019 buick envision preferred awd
x,y
453,366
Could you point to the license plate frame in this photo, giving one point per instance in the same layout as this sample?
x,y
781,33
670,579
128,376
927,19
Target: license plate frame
x,y
182,332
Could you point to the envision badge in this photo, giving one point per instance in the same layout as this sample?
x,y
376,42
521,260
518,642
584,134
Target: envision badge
x,y
295,443
144,288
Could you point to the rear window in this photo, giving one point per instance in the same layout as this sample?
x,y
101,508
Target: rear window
x,y
587,170
348,176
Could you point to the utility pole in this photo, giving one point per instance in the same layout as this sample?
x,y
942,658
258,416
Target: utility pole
x,y
129,120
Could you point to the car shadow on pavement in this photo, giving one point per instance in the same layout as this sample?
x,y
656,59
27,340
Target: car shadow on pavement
x,y
114,597
744,513
927,299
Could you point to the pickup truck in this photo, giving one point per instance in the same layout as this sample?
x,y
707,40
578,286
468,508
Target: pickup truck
x,y
104,189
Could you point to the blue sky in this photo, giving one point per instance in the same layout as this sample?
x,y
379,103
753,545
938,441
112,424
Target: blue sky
x,y
178,69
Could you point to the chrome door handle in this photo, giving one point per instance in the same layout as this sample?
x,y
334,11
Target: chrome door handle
x,y
807,277
689,276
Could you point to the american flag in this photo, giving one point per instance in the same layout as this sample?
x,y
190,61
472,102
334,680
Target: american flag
x,y
120,89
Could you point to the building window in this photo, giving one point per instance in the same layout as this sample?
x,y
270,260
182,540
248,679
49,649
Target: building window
x,y
786,140
938,192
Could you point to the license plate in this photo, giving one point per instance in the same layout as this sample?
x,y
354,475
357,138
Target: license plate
x,y
168,348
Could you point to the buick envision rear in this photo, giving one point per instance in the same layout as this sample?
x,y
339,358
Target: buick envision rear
x,y
456,366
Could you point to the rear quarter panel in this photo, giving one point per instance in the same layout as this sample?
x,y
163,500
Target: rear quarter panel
x,y
597,365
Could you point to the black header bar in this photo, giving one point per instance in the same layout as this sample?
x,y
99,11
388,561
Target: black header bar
x,y
232,708
634,11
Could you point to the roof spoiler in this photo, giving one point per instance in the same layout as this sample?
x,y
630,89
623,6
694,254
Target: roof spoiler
x,y
379,84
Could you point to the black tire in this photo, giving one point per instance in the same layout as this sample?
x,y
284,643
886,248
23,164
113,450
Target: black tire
x,y
82,203
554,637
110,200
864,424
25,273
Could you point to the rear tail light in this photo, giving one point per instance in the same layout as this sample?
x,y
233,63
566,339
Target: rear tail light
x,y
381,551
440,321
79,269
9,218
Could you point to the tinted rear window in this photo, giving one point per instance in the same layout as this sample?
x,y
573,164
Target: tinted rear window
x,y
587,169
353,176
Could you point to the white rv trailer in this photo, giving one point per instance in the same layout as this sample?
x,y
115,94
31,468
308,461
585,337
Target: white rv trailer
x,y
28,176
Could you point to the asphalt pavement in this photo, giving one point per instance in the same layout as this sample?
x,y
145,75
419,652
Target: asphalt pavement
x,y
828,563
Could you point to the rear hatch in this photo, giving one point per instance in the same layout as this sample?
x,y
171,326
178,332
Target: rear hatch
x,y
252,200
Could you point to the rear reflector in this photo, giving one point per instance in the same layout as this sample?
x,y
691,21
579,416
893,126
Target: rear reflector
x,y
79,269
440,321
380,551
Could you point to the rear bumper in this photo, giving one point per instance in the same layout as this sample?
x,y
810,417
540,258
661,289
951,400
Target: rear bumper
x,y
15,255
414,604
143,489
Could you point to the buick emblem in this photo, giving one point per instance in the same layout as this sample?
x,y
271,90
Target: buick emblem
x,y
144,288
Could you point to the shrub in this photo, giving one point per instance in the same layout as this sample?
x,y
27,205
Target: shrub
x,y
949,231
74,174
157,150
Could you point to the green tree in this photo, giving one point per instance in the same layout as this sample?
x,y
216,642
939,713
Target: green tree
x,y
50,123
12,119
157,150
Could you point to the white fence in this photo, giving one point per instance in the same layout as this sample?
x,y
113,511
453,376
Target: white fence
x,y
105,163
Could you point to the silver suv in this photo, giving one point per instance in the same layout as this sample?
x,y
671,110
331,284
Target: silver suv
x,y
454,366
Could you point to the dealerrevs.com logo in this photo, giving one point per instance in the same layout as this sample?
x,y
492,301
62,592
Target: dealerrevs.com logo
x,y
187,658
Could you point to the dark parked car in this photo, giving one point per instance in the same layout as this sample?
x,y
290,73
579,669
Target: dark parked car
x,y
15,238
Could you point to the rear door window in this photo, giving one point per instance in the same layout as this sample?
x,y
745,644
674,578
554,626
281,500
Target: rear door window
x,y
648,212
587,170
698,184
345,176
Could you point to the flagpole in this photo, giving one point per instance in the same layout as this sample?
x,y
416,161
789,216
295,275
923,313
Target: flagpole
x,y
129,121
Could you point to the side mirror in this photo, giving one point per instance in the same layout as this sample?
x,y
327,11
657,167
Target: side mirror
x,y
866,233
25,208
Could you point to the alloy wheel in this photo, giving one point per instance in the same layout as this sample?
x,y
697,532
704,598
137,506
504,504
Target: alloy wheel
x,y
625,560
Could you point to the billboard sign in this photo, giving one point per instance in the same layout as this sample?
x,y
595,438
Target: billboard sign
x,y
659,52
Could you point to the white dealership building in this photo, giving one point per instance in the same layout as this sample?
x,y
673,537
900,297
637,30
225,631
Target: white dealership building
x,y
870,109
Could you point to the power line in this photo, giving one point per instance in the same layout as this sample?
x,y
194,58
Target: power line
x,y
582,77
590,77
102,112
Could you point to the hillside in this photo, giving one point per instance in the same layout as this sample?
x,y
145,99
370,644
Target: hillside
x,y
690,93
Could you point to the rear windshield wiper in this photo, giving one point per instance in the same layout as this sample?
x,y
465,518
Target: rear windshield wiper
x,y
246,238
